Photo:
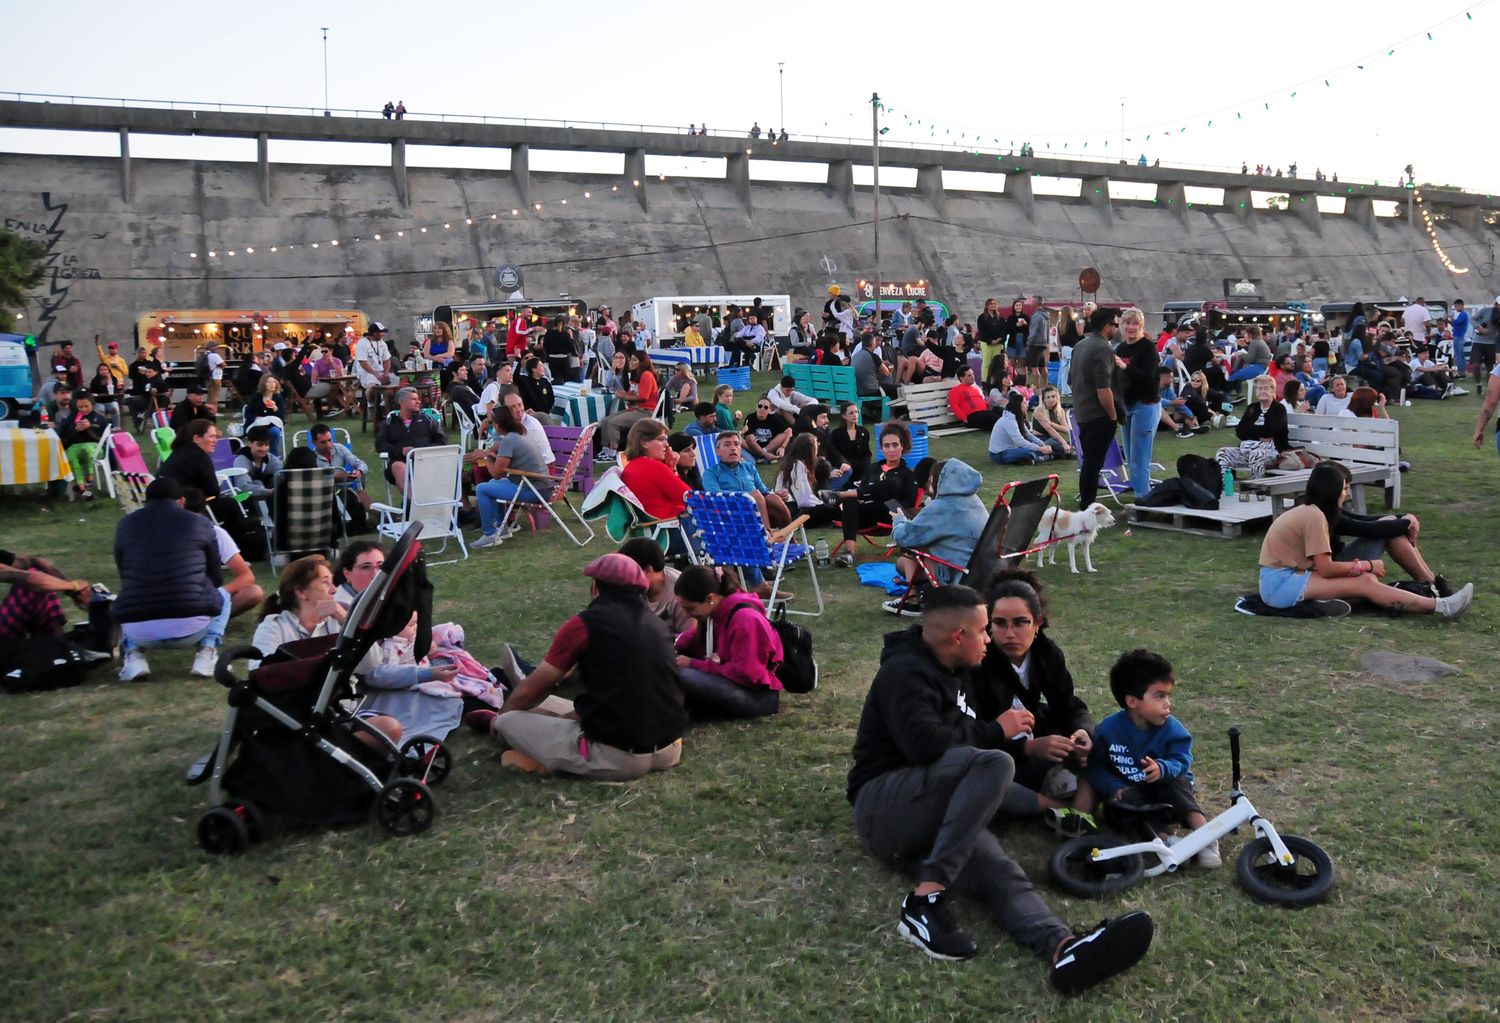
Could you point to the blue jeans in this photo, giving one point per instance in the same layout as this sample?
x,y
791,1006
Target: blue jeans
x,y
1246,373
1460,363
491,495
1064,367
1140,432
211,635
1014,456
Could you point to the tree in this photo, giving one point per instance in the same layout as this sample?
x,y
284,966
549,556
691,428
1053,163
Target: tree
x,y
22,267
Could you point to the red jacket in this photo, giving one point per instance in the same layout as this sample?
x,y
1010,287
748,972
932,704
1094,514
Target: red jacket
x,y
659,488
964,401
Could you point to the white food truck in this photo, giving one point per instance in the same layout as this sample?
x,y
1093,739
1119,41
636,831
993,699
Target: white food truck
x,y
667,316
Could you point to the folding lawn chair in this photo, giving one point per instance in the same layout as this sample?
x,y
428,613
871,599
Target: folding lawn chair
x,y
301,519
162,437
708,451
1114,475
130,489
531,487
625,517
731,532
433,493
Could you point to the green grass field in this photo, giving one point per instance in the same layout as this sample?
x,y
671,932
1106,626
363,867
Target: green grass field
x,y
733,887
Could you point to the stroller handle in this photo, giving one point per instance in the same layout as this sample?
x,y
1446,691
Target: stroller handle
x,y
222,673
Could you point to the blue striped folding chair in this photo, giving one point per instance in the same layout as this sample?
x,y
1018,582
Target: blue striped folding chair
x,y
729,528
708,451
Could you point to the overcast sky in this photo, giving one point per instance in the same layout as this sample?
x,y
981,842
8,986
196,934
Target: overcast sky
x,y
1052,74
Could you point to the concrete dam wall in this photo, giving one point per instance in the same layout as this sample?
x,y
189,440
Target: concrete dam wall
x,y
114,257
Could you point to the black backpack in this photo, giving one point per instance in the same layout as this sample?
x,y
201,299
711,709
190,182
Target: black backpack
x,y
798,671
200,368
45,661
1203,471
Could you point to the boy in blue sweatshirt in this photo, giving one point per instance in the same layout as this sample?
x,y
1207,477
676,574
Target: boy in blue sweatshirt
x,y
1142,754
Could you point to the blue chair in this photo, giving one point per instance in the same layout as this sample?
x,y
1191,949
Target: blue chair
x,y
730,531
708,451
919,447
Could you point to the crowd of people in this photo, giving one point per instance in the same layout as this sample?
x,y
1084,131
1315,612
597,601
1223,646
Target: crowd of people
x,y
971,723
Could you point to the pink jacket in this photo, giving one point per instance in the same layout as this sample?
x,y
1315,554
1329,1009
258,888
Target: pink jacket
x,y
749,651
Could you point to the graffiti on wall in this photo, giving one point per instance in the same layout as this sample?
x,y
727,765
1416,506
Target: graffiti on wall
x,y
63,268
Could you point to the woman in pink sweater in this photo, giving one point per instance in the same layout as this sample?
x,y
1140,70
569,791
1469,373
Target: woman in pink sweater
x,y
727,659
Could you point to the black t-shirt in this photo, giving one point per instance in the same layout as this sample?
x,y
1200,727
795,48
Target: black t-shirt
x,y
1141,385
1320,349
1198,355
764,430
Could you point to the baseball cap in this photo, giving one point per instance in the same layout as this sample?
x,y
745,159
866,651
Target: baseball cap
x,y
616,569
375,327
114,346
197,389
59,367
281,346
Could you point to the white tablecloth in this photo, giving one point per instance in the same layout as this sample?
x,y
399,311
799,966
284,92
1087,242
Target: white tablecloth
x,y
708,355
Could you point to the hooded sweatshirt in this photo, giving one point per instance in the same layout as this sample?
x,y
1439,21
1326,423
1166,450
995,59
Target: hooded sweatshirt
x,y
746,645
916,710
949,525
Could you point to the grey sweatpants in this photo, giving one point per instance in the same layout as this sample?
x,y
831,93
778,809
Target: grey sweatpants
x,y
932,822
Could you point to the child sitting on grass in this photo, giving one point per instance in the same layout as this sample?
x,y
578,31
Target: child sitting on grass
x,y
1142,754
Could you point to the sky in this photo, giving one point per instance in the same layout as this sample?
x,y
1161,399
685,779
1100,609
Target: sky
x,y
1274,82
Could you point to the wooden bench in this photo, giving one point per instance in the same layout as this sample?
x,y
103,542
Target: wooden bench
x,y
1361,444
1227,521
1284,488
928,403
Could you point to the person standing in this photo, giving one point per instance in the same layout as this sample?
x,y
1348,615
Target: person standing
x,y
1038,346
991,326
1460,336
1094,408
1068,335
1141,392
1486,325
927,780
1491,399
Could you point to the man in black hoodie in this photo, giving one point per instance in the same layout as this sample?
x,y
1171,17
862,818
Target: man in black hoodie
x,y
927,780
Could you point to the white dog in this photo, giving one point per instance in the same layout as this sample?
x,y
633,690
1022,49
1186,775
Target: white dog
x,y
1075,529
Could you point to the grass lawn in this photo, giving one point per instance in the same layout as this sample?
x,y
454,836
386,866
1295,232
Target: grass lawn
x,y
733,887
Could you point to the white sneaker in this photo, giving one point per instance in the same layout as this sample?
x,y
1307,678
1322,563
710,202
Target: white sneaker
x,y
204,661
135,667
1454,604
1208,857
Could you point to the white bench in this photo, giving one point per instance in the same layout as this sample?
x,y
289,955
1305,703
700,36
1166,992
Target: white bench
x,y
928,403
1361,444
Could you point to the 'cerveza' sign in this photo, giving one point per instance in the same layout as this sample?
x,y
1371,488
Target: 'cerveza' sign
x,y
895,289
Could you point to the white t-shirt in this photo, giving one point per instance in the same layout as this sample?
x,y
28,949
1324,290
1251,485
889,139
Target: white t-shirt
x,y
488,397
215,364
376,354
1414,317
227,547
1328,405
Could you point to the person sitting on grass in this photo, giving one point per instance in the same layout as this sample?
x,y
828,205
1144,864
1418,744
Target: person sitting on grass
x,y
239,578
304,607
629,717
705,420
1025,675
1175,416
947,527
1010,442
766,434
725,416
1051,422
359,562
865,505
170,581
736,678
33,606
927,780
660,580
194,406
79,433
1297,562
796,478
1141,753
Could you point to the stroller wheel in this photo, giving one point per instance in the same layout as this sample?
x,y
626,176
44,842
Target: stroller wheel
x,y
405,807
425,759
255,821
222,832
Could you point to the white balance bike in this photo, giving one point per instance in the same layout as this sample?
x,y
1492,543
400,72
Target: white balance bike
x,y
1283,869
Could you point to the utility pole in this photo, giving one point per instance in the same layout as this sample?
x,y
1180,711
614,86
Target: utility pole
x,y
326,111
875,166
781,85
1123,156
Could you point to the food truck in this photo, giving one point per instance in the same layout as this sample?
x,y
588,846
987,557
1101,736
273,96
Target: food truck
x,y
668,315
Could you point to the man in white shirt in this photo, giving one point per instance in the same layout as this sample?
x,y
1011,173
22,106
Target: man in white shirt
x,y
505,376
1414,318
372,359
215,363
787,400
748,342
535,435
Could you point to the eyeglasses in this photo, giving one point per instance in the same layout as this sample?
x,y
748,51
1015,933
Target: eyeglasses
x,y
369,566
1015,623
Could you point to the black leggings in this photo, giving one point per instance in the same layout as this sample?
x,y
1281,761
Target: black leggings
x,y
857,514
817,514
711,696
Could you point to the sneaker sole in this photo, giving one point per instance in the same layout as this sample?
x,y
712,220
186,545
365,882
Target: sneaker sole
x,y
1133,928
912,936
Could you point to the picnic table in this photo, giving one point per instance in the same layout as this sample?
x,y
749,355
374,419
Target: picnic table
x,y
31,456
579,405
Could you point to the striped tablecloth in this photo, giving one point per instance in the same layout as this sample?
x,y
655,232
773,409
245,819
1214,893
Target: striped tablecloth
x,y
579,409
707,355
31,456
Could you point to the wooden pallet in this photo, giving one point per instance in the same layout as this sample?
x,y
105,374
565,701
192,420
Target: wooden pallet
x,y
1227,522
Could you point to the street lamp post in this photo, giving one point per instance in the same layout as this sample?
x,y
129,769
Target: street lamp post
x,y
875,168
326,111
781,86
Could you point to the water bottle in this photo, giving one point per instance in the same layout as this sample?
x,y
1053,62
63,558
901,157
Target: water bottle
x,y
820,552
1228,482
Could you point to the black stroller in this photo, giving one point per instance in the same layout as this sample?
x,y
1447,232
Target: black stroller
x,y
288,748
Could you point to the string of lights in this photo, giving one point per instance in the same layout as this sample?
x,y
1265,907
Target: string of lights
x,y
1427,223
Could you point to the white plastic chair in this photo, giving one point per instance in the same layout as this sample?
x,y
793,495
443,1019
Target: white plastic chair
x,y
433,493
103,468
467,428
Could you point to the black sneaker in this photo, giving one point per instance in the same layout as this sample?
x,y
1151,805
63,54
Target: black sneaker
x,y
925,923
1441,587
1110,948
